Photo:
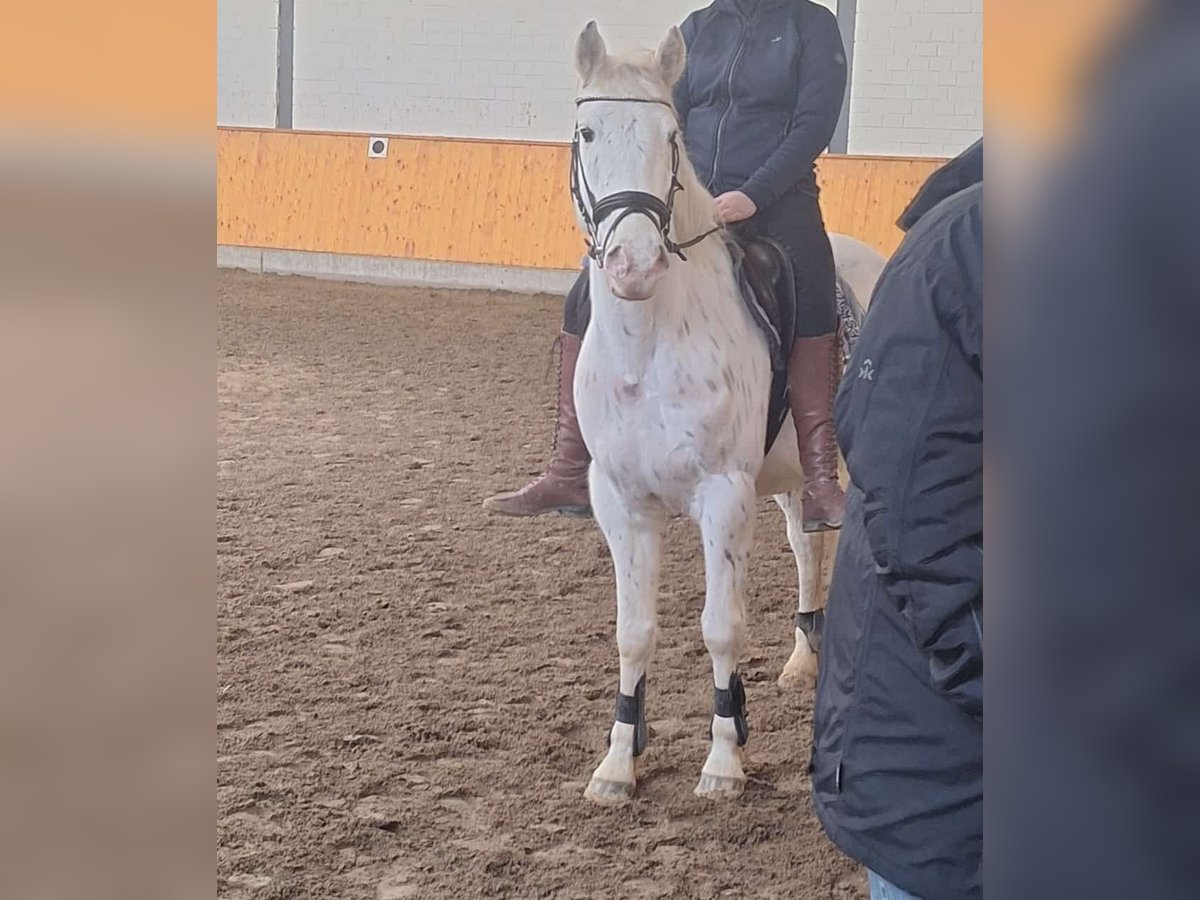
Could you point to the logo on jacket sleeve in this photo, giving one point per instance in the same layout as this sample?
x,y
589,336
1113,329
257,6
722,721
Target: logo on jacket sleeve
x,y
866,371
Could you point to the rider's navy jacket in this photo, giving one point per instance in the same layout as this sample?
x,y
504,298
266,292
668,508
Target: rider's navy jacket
x,y
897,768
761,95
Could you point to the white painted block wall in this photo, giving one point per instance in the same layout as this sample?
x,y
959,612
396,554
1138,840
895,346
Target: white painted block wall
x,y
917,86
498,69
502,68
246,62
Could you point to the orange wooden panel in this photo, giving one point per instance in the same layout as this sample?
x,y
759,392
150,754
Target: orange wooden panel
x,y
472,201
862,196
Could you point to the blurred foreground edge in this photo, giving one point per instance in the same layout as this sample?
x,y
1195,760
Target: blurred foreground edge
x,y
1093,756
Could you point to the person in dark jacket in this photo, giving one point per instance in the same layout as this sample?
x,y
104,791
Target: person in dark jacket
x,y
758,101
897,767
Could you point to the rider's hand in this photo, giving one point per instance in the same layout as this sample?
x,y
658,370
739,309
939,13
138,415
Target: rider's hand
x,y
734,206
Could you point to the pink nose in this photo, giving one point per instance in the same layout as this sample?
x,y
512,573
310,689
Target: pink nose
x,y
631,280
617,262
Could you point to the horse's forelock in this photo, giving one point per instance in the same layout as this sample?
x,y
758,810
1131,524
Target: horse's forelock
x,y
631,75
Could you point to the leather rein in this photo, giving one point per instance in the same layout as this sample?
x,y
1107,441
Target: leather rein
x,y
626,203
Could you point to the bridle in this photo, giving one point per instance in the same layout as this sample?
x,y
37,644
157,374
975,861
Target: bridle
x,y
626,203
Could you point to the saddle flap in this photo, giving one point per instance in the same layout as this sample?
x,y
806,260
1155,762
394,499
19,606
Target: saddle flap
x,y
764,273
769,273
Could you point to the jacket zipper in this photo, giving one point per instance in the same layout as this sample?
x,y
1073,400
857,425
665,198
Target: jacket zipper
x,y
737,56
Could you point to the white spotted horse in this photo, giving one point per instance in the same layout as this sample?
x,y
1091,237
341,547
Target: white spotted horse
x,y
674,395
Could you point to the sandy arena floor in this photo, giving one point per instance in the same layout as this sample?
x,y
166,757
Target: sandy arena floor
x,y
412,693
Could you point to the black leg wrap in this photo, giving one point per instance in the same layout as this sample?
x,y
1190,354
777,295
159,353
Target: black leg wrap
x,y
731,704
813,626
632,711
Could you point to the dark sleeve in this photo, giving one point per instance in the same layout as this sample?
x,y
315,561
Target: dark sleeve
x,y
681,95
821,89
943,604
937,559
913,435
937,571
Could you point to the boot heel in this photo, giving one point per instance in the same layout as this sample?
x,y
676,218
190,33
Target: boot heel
x,y
565,481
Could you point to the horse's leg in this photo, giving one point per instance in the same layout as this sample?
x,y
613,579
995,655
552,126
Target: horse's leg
x,y
810,618
635,543
726,517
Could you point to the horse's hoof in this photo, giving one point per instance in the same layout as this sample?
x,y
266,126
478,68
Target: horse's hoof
x,y
609,793
800,671
718,787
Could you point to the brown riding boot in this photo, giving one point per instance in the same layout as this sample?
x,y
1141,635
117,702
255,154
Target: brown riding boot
x,y
814,372
564,487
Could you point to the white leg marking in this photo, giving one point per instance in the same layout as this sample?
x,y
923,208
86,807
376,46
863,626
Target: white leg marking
x,y
801,667
635,542
726,506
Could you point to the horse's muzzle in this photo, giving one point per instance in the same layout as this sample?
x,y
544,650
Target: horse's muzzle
x,y
632,278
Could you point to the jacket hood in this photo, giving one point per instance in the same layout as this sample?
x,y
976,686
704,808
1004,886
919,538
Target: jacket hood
x,y
960,173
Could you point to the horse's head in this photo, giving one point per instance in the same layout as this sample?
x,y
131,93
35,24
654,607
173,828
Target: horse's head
x,y
626,157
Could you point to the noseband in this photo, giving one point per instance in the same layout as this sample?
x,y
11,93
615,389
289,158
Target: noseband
x,y
626,203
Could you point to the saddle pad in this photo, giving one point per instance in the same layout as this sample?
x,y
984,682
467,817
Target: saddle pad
x,y
850,318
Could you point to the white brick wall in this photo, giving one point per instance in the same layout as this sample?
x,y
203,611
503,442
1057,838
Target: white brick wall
x,y
246,62
499,69
502,68
917,86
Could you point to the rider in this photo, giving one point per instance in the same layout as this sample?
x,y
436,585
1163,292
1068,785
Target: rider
x,y
758,101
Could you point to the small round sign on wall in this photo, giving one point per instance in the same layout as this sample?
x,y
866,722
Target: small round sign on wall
x,y
377,147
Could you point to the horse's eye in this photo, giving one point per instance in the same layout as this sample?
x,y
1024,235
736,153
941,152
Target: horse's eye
x,y
587,134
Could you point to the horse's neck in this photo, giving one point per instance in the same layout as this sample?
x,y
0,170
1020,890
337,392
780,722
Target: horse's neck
x,y
694,299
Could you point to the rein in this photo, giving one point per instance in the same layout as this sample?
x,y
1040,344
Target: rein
x,y
627,203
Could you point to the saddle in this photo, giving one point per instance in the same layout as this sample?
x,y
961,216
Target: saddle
x,y
764,273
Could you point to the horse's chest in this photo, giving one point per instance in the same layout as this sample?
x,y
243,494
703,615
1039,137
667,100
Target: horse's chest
x,y
662,433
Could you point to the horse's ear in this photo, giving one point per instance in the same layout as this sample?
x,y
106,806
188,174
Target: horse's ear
x,y
590,53
671,56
